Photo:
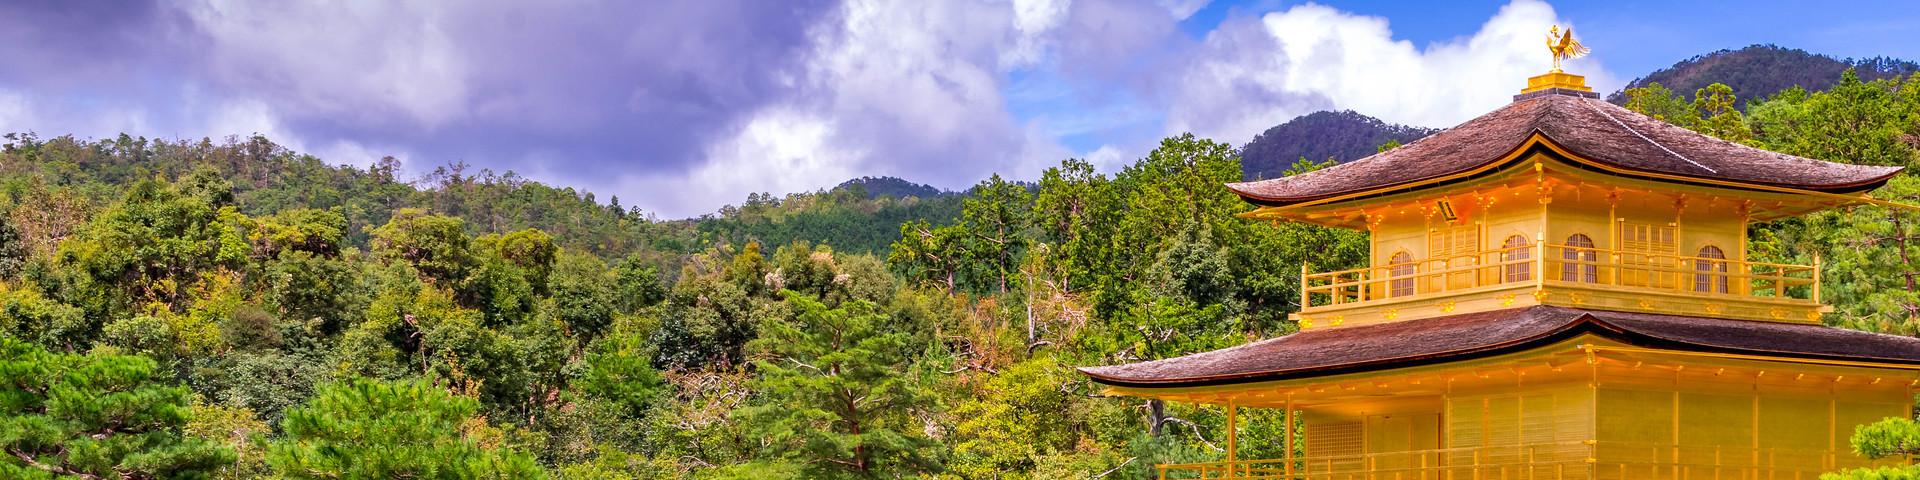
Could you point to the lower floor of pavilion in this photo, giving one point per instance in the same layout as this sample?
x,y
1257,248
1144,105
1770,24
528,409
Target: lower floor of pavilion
x,y
1583,406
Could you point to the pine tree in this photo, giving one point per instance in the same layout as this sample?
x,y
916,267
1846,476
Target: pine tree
x,y
95,416
835,395
410,429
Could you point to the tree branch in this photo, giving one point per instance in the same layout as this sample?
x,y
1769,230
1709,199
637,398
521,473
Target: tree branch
x,y
54,469
1115,468
1196,431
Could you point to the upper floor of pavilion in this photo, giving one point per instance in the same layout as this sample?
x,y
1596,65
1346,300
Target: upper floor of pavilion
x,y
1559,198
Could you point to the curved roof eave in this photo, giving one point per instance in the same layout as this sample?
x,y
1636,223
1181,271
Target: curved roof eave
x,y
1646,330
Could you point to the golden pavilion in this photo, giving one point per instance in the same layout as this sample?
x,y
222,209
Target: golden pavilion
x,y
1558,289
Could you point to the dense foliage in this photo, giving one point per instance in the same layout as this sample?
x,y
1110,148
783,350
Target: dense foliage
x,y
1886,438
1760,71
271,315
98,415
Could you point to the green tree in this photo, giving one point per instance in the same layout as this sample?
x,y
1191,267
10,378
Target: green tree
x,y
1718,114
637,284
1655,100
309,287
926,254
835,397
1854,122
236,429
748,269
95,416
1885,438
148,251
315,231
995,216
706,320
1075,211
1870,257
13,248
618,373
582,295
27,315
1017,419
532,250
371,429
435,245
424,331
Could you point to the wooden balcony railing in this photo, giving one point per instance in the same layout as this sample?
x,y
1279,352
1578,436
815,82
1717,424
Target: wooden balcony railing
x,y
1573,460
1551,264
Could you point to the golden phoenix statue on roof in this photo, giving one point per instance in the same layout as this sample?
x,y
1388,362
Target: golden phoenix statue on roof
x,y
1563,46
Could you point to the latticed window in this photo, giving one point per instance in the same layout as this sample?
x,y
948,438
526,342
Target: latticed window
x,y
1400,269
1711,259
1646,248
1580,260
1515,250
1456,249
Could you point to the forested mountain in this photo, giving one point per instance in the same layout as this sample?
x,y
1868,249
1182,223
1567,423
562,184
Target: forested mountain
x,y
851,217
1320,136
62,180
1759,71
877,187
244,311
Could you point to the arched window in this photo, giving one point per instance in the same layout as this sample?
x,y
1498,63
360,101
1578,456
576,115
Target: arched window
x,y
1711,259
1580,260
1515,250
1401,271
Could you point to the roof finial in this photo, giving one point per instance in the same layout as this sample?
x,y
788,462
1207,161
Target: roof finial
x,y
1563,46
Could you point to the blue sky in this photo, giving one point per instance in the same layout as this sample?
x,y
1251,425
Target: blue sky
x,y
681,106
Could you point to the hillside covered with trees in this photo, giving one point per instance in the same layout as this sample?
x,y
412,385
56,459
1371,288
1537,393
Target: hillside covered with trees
x,y
1319,137
237,310
1760,71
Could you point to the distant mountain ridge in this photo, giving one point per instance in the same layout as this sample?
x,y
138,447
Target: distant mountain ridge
x,y
1760,71
877,187
1343,135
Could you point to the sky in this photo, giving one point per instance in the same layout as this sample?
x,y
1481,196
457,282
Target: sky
x,y
679,107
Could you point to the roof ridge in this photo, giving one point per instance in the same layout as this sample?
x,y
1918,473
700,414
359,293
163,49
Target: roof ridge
x,y
1589,104
1738,145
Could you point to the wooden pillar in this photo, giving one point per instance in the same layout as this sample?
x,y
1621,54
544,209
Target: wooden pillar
x,y
1303,287
1290,437
1816,278
1540,260
1233,435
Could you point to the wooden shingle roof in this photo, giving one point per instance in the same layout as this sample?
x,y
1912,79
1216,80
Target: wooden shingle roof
x,y
1590,128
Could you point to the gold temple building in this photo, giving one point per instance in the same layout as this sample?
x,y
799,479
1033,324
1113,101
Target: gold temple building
x,y
1558,289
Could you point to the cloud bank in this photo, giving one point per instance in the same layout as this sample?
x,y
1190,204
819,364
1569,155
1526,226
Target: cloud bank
x,y
1257,71
679,107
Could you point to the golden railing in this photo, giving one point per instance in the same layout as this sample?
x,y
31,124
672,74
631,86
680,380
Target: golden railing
x,y
1574,460
1562,264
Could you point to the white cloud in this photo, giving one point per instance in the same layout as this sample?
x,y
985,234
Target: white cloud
x,y
1181,9
1254,74
13,111
890,88
23,112
1033,19
249,117
1108,158
780,150
343,61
